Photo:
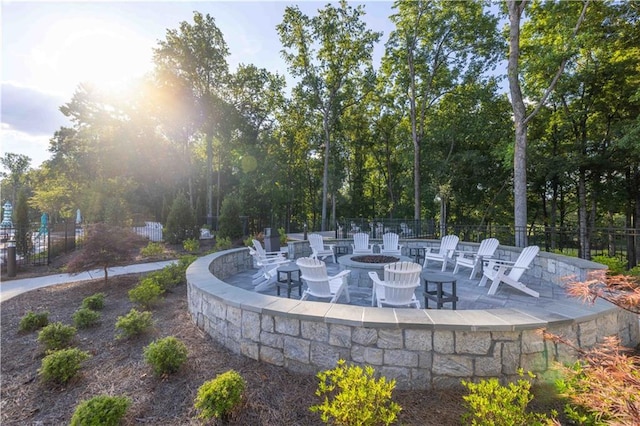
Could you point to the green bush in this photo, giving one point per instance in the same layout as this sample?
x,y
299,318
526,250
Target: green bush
x,y
220,396
56,336
85,318
616,266
152,249
191,245
32,321
146,293
230,224
169,276
94,302
133,323
353,396
490,403
62,365
181,222
102,410
223,243
166,355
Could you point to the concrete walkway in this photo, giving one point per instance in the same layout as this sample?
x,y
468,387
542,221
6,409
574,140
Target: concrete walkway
x,y
12,288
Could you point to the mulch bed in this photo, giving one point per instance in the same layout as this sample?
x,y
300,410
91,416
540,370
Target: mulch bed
x,y
274,396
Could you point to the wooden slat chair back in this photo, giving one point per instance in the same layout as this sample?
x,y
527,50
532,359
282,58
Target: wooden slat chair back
x,y
398,288
319,250
474,260
361,243
390,244
445,252
500,271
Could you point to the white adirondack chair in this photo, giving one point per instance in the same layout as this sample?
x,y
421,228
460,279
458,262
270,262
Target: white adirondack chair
x,y
405,230
361,244
318,248
267,263
390,244
444,254
319,284
473,260
398,288
496,271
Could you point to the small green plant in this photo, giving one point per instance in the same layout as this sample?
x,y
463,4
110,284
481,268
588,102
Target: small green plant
x,y
191,245
169,276
282,234
62,365
146,293
56,336
220,396
102,410
32,321
133,323
353,396
152,249
94,302
249,241
85,318
490,403
223,243
616,266
165,355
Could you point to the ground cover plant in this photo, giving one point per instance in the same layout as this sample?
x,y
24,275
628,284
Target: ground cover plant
x,y
273,396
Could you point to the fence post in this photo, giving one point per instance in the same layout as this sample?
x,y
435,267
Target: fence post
x,y
11,259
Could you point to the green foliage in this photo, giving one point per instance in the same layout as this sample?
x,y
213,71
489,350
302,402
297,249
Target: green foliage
x,y
635,271
490,403
230,225
181,222
249,241
353,396
85,318
32,321
56,336
616,266
192,245
283,236
102,410
184,262
147,293
152,249
223,243
166,355
135,322
220,396
94,302
62,365
24,244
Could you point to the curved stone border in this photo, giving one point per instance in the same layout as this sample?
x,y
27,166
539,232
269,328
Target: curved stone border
x,y
421,349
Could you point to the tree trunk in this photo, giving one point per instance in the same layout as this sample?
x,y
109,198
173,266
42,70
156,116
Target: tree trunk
x,y
582,217
209,137
325,173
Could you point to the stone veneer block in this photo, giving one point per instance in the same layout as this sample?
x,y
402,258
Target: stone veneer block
x,y
340,335
474,343
400,358
452,365
390,338
251,326
326,356
364,336
271,356
314,330
289,326
296,349
418,340
443,341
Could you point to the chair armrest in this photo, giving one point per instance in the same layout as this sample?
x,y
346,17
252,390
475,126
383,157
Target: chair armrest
x,y
331,246
339,274
375,278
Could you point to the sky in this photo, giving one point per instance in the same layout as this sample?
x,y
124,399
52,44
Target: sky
x,y
50,47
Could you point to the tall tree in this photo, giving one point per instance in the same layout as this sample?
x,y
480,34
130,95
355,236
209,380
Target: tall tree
x,y
326,52
435,46
520,116
17,166
195,55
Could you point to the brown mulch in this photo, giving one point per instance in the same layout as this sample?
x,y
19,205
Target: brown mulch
x,y
274,396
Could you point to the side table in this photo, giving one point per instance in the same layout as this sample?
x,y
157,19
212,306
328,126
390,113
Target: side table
x,y
438,295
417,253
287,279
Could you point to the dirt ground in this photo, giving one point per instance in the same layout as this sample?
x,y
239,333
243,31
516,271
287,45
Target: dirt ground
x,y
273,395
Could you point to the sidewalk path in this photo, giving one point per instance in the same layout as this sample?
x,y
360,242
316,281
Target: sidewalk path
x,y
13,288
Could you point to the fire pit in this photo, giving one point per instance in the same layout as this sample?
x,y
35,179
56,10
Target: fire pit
x,y
361,265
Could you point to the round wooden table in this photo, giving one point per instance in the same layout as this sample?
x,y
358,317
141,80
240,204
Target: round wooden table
x,y
437,294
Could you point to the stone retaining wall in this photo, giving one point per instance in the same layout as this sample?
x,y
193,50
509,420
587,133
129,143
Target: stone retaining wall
x,y
421,349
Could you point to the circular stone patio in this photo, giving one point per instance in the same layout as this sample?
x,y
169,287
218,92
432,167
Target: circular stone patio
x,y
420,348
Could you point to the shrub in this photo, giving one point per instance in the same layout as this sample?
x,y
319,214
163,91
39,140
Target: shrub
x,y
230,224
223,243
56,336
94,302
616,266
133,323
353,396
102,410
32,321
489,402
62,365
169,276
152,249
166,355
220,396
191,245
282,234
181,222
85,318
146,293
